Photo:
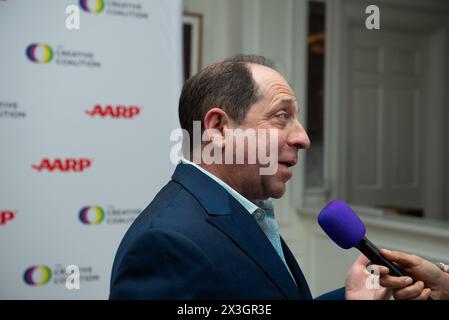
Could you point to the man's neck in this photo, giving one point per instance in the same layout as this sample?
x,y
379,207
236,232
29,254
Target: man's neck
x,y
224,176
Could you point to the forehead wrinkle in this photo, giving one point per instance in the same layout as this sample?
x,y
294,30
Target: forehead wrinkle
x,y
276,93
283,95
276,88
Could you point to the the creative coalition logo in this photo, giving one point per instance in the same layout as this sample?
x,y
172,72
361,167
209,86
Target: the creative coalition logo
x,y
114,111
37,275
11,110
91,215
94,215
92,6
63,165
123,9
39,53
44,53
70,275
6,216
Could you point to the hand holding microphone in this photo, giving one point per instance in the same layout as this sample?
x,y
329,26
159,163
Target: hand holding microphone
x,y
434,276
346,229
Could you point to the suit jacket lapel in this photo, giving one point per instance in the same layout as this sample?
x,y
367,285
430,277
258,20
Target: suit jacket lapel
x,y
229,216
296,271
244,231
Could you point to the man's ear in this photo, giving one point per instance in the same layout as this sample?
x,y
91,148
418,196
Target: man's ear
x,y
217,119
215,122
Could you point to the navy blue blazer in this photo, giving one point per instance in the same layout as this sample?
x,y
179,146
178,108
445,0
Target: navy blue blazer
x,y
196,241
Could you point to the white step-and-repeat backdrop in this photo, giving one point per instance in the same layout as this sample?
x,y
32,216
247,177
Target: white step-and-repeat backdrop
x,y
85,122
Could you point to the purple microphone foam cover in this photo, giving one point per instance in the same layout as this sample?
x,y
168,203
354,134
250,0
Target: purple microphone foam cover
x,y
341,224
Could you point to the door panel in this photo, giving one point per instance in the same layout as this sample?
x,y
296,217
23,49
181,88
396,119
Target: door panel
x,y
386,87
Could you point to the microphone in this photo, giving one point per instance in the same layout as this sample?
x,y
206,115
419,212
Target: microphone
x,y
346,229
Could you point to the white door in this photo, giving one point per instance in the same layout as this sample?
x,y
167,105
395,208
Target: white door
x,y
385,135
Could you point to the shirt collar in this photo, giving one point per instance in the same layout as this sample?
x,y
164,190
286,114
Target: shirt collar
x,y
247,204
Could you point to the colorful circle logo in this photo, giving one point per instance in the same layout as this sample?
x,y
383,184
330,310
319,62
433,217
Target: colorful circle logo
x,y
37,275
91,215
39,53
93,6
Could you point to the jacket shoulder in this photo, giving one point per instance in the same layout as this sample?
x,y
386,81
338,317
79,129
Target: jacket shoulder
x,y
163,264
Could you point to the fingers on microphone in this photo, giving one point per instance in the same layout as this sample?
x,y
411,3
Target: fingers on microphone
x,y
415,291
425,294
395,282
383,271
390,255
399,257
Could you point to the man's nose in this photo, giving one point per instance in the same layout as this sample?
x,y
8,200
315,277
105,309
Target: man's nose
x,y
298,137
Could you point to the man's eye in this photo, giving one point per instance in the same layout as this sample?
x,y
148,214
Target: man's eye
x,y
283,116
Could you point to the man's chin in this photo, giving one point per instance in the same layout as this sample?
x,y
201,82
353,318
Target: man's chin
x,y
278,191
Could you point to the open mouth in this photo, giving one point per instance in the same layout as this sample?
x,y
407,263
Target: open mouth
x,y
288,163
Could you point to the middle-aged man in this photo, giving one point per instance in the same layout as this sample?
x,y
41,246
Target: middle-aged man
x,y
210,232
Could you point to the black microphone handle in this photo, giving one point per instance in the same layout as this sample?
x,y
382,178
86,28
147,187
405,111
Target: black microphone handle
x,y
372,252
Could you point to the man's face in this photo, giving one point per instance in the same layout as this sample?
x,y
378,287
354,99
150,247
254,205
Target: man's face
x,y
275,109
